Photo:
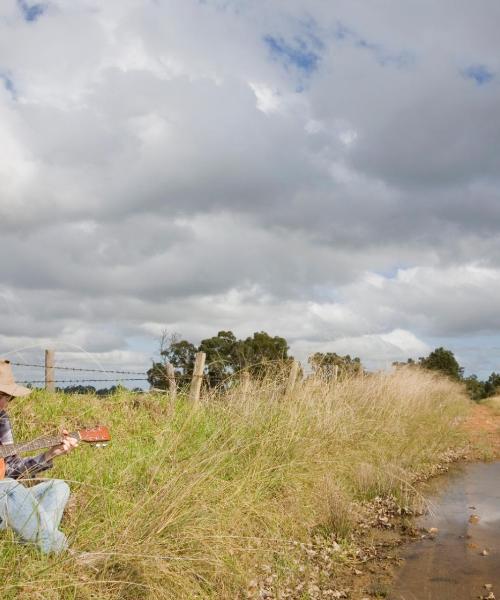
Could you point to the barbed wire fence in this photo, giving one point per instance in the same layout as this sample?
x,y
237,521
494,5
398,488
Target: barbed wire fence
x,y
49,380
172,381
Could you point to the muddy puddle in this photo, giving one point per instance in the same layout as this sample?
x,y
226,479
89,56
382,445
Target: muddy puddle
x,y
461,559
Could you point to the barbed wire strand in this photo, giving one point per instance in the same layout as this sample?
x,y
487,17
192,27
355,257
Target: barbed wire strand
x,y
83,380
16,364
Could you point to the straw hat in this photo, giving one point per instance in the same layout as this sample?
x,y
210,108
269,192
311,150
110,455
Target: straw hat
x,y
8,384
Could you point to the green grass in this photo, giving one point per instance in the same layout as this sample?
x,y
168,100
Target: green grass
x,y
187,500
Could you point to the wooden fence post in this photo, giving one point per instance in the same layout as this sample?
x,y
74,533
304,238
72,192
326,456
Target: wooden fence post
x,y
335,372
245,384
172,386
292,377
199,365
50,385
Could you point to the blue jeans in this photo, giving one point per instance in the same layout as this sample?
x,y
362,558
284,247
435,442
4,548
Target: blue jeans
x,y
35,513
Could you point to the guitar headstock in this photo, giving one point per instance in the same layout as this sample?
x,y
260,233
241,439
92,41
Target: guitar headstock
x,y
94,435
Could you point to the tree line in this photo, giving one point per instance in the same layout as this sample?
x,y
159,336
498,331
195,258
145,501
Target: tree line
x,y
264,355
444,361
260,354
90,389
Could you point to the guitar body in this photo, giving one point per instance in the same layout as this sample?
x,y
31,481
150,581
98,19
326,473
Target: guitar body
x,y
97,435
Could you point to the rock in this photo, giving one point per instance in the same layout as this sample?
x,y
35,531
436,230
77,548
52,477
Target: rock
x,y
484,553
474,519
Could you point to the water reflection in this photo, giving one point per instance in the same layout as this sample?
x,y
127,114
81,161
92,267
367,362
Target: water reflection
x,y
465,555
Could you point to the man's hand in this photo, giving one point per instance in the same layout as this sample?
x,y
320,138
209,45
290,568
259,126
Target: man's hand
x,y
67,445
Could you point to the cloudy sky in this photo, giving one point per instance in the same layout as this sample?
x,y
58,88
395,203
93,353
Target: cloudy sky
x,y
324,171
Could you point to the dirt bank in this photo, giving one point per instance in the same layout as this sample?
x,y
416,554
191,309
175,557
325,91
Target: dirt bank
x,y
483,426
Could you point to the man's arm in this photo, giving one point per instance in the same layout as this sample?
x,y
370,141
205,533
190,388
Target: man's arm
x,y
64,447
16,466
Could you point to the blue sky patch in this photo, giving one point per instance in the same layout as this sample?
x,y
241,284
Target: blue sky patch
x,y
384,57
8,84
31,12
392,272
399,60
342,32
478,73
298,53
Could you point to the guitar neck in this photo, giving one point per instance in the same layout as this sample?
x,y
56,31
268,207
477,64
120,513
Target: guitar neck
x,y
48,441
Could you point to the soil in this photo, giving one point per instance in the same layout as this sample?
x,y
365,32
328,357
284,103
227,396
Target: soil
x,y
482,424
368,566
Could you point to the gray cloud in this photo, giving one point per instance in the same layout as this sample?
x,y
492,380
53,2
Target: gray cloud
x,y
326,171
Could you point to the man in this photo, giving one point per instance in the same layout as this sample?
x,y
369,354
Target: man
x,y
34,513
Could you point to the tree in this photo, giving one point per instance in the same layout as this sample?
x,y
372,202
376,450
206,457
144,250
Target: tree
x,y
261,354
492,385
222,356
475,388
77,389
179,353
444,361
114,389
324,363
409,363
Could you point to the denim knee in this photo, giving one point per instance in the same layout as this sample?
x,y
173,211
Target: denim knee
x,y
61,488
6,486
11,489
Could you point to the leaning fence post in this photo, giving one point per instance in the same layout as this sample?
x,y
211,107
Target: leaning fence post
x,y
199,365
50,385
245,384
292,377
172,386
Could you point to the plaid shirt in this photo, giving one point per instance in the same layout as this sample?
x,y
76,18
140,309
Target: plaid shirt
x,y
15,465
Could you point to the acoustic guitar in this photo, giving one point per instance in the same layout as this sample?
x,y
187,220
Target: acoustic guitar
x,y
96,435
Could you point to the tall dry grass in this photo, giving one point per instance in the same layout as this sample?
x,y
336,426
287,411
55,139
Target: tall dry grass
x,y
492,403
187,500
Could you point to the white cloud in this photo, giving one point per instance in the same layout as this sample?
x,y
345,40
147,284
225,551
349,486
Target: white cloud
x,y
376,351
